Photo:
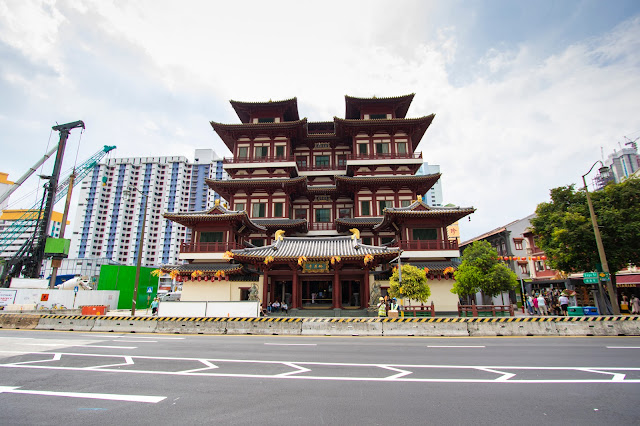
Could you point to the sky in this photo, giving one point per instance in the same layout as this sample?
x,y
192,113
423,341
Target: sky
x,y
527,95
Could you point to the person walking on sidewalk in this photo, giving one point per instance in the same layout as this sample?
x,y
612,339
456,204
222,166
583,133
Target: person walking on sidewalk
x,y
542,306
154,307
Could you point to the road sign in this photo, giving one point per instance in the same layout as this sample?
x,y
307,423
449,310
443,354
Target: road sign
x,y
75,289
149,289
604,276
590,277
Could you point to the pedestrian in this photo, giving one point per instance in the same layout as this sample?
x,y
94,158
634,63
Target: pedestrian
x,y
542,306
154,306
285,307
635,305
382,308
535,305
527,301
564,303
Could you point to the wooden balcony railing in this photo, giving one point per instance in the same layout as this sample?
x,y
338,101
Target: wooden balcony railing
x,y
268,159
419,245
316,167
322,226
386,156
208,247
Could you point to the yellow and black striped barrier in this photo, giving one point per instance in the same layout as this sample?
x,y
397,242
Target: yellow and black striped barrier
x,y
596,318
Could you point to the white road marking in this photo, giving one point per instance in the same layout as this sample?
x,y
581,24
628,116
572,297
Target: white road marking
x,y
401,373
107,396
209,366
136,341
56,357
109,347
455,346
623,347
616,372
291,344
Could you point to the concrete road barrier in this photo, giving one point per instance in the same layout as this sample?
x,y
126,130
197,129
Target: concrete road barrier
x,y
17,321
66,322
425,327
511,326
265,326
191,325
125,324
342,327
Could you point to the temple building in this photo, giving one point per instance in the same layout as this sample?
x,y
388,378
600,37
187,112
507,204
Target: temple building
x,y
318,213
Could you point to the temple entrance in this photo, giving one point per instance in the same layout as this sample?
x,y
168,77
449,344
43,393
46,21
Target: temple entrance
x,y
351,293
281,292
317,294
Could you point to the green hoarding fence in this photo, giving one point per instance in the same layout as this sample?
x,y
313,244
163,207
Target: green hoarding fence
x,y
122,278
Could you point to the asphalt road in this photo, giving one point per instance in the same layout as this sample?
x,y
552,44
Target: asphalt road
x,y
53,378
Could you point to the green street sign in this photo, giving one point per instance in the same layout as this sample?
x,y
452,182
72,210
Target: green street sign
x,y
604,276
590,277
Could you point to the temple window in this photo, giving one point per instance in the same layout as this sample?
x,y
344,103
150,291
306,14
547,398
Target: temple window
x,y
258,242
382,148
385,240
280,151
401,147
363,148
377,116
239,206
301,161
278,209
243,152
261,151
323,215
301,213
266,120
405,203
344,213
382,204
425,234
366,240
211,237
322,160
342,160
365,208
258,210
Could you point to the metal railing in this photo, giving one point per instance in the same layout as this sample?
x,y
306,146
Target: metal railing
x,y
385,156
322,226
419,245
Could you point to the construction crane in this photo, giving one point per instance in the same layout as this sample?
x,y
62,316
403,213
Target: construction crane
x,y
35,216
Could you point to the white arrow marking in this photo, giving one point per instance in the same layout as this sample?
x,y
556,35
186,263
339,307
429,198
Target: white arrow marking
x,y
289,373
209,366
617,377
401,373
505,376
127,361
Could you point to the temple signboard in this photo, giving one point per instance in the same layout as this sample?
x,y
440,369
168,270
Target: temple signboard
x,y
315,267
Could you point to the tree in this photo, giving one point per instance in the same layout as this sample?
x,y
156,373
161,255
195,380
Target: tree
x,y
481,270
413,286
563,228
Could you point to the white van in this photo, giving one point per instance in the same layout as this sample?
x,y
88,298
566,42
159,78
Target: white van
x,y
171,297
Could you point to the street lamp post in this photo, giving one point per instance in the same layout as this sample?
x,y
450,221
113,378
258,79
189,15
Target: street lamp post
x,y
604,172
140,245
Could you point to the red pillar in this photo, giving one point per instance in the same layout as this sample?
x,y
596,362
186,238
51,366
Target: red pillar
x,y
295,291
364,299
337,299
265,288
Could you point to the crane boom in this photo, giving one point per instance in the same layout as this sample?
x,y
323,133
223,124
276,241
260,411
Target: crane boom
x,y
19,226
25,176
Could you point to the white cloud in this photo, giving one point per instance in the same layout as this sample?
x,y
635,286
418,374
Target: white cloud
x,y
149,75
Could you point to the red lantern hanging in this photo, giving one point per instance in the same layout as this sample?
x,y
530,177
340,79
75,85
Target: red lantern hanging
x,y
543,257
